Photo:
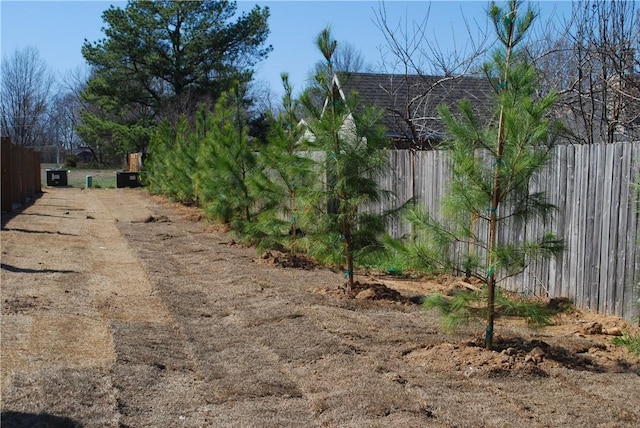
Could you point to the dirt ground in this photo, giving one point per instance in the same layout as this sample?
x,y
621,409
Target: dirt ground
x,y
123,310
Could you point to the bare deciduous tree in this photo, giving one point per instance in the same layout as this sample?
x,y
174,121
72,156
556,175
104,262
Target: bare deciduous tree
x,y
594,62
421,74
63,118
65,109
348,59
419,67
24,101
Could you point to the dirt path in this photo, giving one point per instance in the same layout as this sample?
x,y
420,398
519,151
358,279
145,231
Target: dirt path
x,y
119,309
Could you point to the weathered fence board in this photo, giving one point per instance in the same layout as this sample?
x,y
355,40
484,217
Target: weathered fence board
x,y
623,209
593,233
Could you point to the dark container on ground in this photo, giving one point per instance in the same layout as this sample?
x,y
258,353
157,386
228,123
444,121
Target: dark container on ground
x,y
57,177
127,179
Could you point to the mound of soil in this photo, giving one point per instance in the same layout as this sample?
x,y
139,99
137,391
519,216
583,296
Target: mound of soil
x,y
286,260
368,291
519,357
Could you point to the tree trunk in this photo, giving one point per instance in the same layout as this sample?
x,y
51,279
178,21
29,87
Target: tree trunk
x,y
496,198
348,240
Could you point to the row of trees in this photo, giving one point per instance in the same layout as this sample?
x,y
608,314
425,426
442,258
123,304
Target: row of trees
x,y
301,191
305,189
173,78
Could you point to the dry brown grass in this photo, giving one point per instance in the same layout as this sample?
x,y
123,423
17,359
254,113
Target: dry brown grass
x,y
110,320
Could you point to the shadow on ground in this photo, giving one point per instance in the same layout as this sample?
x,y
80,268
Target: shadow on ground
x,y
40,420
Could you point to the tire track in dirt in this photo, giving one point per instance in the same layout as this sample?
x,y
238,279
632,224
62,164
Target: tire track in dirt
x,y
233,354
152,354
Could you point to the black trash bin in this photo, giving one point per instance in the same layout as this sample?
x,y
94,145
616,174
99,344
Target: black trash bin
x,y
57,177
127,179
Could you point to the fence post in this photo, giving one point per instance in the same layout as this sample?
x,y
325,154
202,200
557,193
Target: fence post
x,y
7,186
37,173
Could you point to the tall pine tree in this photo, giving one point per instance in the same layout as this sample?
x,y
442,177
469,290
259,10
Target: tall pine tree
x,y
494,166
161,59
283,175
171,162
351,137
225,162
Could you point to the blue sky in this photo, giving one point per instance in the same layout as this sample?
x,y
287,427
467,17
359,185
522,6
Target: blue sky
x,y
58,29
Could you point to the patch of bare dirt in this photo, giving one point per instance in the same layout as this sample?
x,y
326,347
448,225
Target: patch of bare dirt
x,y
123,309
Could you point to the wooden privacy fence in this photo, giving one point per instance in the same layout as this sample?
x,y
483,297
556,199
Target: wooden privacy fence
x,y
21,176
593,187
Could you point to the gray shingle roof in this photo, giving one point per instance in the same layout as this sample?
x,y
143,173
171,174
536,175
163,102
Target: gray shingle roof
x,y
410,102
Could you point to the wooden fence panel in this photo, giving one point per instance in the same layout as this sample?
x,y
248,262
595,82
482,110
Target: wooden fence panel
x,y
7,186
614,234
20,175
568,210
592,187
397,182
558,286
620,255
17,192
